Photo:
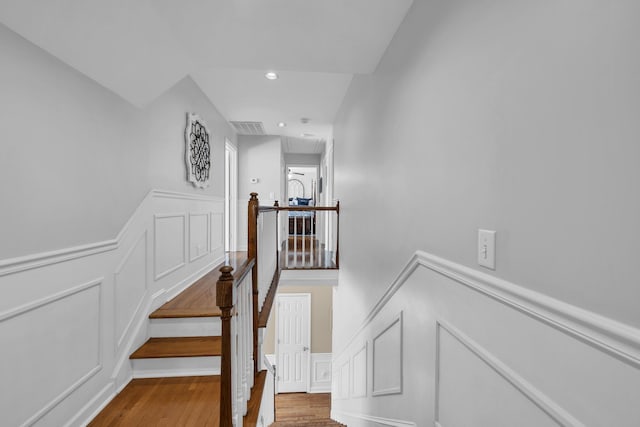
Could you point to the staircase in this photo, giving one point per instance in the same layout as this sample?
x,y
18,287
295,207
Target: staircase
x,y
200,365
179,366
185,335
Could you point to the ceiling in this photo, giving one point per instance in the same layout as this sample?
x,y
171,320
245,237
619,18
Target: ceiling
x,y
140,48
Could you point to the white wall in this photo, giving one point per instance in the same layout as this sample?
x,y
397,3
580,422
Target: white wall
x,y
258,157
98,227
77,159
514,116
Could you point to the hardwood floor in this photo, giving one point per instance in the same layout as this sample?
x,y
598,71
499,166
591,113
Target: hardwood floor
x,y
179,401
303,409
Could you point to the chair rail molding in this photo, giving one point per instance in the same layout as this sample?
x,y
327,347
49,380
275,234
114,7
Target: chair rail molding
x,y
43,259
466,332
101,319
615,338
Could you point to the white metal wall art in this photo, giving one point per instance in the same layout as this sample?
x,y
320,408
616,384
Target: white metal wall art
x,y
197,151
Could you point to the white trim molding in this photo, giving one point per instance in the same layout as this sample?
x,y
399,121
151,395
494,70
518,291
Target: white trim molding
x,y
42,259
388,358
183,261
612,337
380,420
537,397
320,375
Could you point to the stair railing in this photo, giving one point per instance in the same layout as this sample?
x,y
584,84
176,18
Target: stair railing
x,y
263,249
234,297
312,237
245,301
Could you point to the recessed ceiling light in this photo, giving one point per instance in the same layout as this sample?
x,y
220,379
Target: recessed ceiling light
x,y
271,75
282,124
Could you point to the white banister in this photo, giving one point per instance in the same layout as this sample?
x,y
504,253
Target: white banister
x,y
267,252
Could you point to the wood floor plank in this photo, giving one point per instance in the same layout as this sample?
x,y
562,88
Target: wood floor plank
x,y
303,409
178,401
179,347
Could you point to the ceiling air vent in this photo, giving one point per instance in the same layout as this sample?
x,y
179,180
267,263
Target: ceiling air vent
x,y
249,128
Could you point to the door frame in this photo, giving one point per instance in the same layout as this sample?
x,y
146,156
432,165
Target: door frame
x,y
231,196
308,297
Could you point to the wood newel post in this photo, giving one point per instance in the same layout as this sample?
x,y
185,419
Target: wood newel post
x,y
338,234
224,300
252,253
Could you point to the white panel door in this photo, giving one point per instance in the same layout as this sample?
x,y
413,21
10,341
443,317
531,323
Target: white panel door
x,y
293,342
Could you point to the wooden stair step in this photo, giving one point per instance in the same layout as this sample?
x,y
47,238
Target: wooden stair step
x,y
179,347
199,299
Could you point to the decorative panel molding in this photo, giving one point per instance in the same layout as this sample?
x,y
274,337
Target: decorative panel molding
x,y
359,372
387,359
217,232
612,337
169,243
320,373
29,330
515,400
199,236
130,287
344,380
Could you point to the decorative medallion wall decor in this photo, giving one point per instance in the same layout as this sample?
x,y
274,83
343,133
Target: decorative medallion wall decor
x,y
197,151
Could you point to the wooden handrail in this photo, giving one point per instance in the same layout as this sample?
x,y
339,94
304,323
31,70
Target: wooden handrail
x,y
252,253
224,300
309,208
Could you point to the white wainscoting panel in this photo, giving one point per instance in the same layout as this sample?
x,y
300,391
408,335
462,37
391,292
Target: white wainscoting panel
x,y
49,349
344,380
169,247
320,373
476,388
387,359
65,347
217,232
359,375
477,350
130,287
198,235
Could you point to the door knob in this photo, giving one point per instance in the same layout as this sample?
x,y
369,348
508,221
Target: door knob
x,y
305,348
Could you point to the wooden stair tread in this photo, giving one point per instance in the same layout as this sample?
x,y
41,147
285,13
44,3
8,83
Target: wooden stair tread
x,y
199,299
179,347
253,405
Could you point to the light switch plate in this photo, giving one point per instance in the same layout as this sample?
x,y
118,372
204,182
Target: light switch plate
x,y
487,248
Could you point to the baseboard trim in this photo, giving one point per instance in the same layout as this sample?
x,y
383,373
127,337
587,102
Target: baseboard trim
x,y
104,396
337,415
612,337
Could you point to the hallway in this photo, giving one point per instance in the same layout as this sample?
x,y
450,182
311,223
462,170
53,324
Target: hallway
x,y
303,409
